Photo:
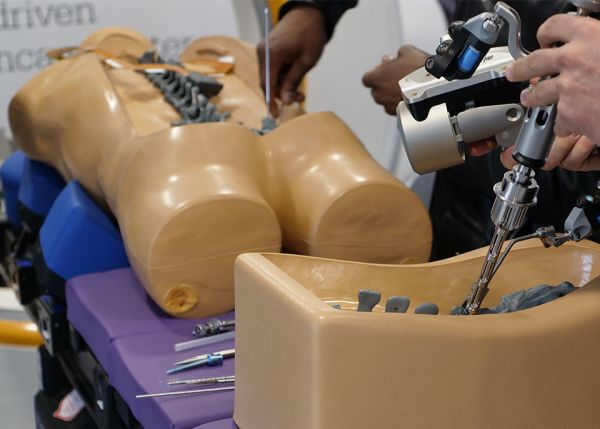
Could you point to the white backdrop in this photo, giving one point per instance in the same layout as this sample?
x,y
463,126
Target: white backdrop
x,y
29,27
374,28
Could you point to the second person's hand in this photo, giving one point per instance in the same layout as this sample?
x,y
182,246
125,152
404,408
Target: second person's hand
x,y
297,43
383,79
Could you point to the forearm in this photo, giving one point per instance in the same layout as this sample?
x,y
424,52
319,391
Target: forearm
x,y
332,10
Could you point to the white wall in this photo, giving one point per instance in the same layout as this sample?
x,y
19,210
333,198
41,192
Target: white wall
x,y
29,27
373,28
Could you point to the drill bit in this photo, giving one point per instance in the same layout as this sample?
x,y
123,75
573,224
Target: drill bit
x,y
211,380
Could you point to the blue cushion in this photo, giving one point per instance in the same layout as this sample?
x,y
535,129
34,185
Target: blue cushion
x,y
10,174
78,238
40,185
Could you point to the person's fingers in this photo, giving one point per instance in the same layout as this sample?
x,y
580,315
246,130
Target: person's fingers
x,y
560,131
390,107
580,152
291,81
507,159
411,50
560,149
542,62
482,147
370,78
544,93
560,28
386,58
592,163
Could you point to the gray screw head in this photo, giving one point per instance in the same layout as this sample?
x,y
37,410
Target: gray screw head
x,y
489,26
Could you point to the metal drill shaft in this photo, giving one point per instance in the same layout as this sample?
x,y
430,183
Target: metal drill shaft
x,y
514,195
211,380
480,287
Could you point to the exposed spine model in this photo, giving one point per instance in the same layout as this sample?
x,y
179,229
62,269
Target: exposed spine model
x,y
191,194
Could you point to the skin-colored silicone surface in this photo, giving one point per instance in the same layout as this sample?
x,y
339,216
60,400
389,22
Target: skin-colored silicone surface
x,y
302,364
189,199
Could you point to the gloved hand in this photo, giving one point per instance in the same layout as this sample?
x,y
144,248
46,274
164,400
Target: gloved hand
x,y
297,43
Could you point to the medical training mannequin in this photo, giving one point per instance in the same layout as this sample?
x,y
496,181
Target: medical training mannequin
x,y
189,199
394,369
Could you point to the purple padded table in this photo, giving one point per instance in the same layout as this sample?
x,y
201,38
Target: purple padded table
x,y
152,354
113,304
221,424
133,340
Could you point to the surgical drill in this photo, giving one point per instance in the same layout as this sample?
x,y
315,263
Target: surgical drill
x,y
461,95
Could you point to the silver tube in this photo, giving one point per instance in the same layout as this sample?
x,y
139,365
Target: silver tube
x,y
185,392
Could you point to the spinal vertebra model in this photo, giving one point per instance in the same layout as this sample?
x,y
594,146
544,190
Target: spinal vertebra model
x,y
190,198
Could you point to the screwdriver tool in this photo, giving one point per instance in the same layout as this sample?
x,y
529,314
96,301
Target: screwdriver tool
x,y
225,353
209,360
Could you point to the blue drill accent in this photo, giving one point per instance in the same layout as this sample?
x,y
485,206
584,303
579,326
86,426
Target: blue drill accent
x,y
468,60
211,360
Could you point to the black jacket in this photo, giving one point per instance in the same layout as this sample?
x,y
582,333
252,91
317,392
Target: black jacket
x,y
332,9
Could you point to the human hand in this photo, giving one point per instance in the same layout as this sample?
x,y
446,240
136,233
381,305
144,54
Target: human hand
x,y
383,79
572,152
575,67
296,43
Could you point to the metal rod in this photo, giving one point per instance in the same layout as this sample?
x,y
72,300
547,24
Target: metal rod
x,y
267,61
211,380
185,392
480,288
509,246
186,345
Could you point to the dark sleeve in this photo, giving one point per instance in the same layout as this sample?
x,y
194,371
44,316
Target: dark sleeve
x,y
448,6
332,10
